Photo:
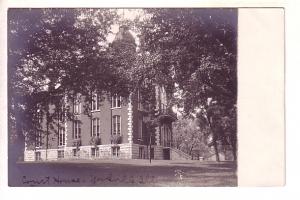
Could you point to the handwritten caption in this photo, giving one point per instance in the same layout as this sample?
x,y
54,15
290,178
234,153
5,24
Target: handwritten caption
x,y
91,180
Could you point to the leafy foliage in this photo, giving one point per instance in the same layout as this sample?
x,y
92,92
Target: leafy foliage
x,y
197,47
189,136
60,52
52,53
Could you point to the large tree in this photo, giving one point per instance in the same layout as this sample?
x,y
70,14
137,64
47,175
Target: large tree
x,y
57,52
198,48
54,53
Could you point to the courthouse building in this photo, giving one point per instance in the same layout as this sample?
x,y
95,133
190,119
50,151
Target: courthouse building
x,y
113,128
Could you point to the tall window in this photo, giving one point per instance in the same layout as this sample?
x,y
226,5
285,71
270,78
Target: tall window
x,y
116,101
38,139
38,136
140,106
96,127
76,129
140,128
163,96
61,136
141,152
61,115
77,104
40,117
96,102
116,125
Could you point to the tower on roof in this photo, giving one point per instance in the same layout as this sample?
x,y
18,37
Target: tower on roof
x,y
124,39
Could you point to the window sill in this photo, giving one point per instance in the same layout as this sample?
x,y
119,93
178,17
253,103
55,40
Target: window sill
x,y
115,108
93,111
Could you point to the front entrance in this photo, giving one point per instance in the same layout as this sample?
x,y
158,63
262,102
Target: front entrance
x,y
141,153
166,154
152,153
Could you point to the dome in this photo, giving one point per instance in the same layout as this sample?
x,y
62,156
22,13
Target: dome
x,y
124,36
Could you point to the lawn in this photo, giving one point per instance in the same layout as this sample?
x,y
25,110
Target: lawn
x,y
123,173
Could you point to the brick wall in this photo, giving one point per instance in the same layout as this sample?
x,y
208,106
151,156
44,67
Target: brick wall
x,y
129,149
105,115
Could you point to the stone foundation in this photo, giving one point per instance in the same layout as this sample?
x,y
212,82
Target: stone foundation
x,y
125,151
158,152
29,155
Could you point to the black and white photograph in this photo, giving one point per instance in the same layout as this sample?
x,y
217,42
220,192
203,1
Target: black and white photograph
x,y
122,97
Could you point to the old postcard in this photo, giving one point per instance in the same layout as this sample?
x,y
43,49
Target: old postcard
x,y
145,97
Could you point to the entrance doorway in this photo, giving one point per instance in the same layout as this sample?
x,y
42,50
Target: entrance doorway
x,y
166,153
152,153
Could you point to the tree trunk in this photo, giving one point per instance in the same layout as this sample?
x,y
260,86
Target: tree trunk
x,y
215,144
47,129
233,145
234,153
150,148
191,149
47,139
216,151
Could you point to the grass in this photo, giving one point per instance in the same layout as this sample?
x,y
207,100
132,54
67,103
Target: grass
x,y
123,173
